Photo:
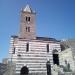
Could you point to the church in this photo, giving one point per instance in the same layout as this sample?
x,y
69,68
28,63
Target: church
x,y
32,54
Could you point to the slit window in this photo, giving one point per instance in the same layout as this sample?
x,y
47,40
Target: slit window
x,y
14,50
27,47
47,47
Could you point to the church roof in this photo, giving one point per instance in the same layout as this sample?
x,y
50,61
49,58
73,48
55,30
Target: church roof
x,y
27,9
47,39
41,38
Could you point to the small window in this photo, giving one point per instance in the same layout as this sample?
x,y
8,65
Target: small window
x,y
47,47
27,47
27,18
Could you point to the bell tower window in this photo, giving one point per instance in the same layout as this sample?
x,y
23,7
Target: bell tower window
x,y
27,29
27,19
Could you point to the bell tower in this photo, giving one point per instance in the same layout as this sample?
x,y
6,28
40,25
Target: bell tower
x,y
27,25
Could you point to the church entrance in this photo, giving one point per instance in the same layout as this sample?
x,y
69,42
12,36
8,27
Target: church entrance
x,y
24,71
55,57
48,68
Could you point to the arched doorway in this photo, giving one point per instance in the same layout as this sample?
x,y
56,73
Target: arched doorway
x,y
48,68
24,71
55,57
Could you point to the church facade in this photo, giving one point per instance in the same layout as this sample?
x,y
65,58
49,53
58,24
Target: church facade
x,y
35,54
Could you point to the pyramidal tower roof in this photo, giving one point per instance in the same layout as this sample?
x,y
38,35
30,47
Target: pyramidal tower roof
x,y
27,9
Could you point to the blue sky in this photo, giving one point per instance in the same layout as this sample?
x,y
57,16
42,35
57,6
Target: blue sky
x,y
54,18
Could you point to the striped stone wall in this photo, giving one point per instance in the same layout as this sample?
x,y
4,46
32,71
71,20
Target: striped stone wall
x,y
35,58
